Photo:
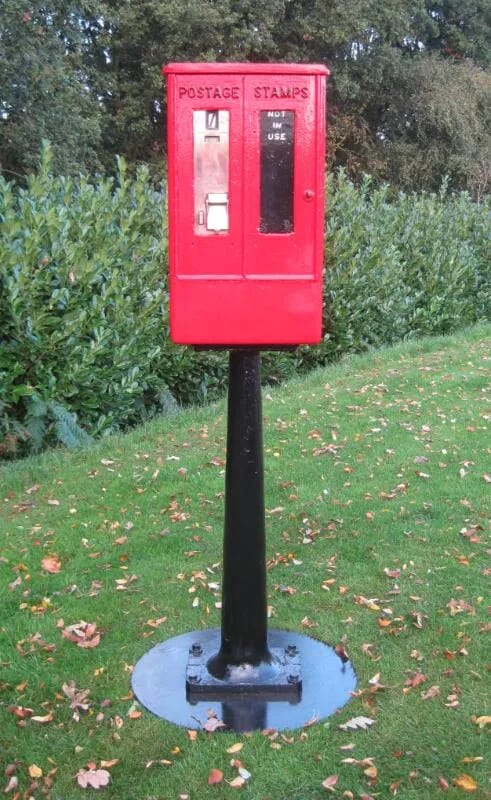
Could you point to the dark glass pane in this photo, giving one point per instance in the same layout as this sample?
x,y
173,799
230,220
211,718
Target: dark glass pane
x,y
277,171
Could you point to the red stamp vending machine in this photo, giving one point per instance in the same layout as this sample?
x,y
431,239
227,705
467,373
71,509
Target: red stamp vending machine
x,y
246,147
246,221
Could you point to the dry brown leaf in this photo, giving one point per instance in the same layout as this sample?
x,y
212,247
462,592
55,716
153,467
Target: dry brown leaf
x,y
433,691
215,776
93,778
237,782
465,782
51,564
330,782
12,784
35,771
357,723
83,634
212,724
78,697
392,573
21,711
44,720
371,771
482,721
235,748
416,679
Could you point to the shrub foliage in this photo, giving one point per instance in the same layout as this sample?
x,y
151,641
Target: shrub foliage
x,y
84,344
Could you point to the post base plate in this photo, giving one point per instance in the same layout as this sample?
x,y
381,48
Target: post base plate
x,y
159,684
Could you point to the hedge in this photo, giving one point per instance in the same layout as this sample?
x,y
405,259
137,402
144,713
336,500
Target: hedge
x,y
84,344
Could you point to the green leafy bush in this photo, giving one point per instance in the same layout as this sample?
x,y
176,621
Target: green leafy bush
x,y
84,344
82,307
402,267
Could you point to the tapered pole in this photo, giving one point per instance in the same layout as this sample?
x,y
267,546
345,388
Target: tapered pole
x,y
244,606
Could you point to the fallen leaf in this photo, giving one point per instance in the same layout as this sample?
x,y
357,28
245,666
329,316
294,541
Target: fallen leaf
x,y
459,606
21,711
357,723
311,721
368,602
83,634
215,776
93,778
235,747
111,763
212,724
443,783
392,573
237,782
416,679
371,771
78,697
482,721
330,782
465,782
44,719
51,564
12,784
35,771
433,691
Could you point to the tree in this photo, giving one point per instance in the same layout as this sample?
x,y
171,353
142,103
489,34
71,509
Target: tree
x,y
438,123
46,92
87,75
461,29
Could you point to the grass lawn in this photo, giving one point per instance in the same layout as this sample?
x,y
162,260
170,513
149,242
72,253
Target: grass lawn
x,y
377,479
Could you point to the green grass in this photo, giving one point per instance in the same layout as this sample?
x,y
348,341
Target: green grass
x,y
370,508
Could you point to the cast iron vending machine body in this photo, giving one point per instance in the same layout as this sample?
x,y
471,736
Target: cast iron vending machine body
x,y
246,203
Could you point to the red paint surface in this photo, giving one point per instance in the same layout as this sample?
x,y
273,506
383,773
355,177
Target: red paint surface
x,y
244,287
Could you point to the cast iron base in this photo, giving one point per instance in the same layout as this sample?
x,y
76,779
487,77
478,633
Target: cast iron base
x,y
159,684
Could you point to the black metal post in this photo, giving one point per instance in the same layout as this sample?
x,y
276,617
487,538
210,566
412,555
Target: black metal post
x,y
244,631
253,677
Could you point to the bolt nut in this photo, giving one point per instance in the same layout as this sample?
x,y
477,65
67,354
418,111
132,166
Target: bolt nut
x,y
196,649
291,650
292,678
194,678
